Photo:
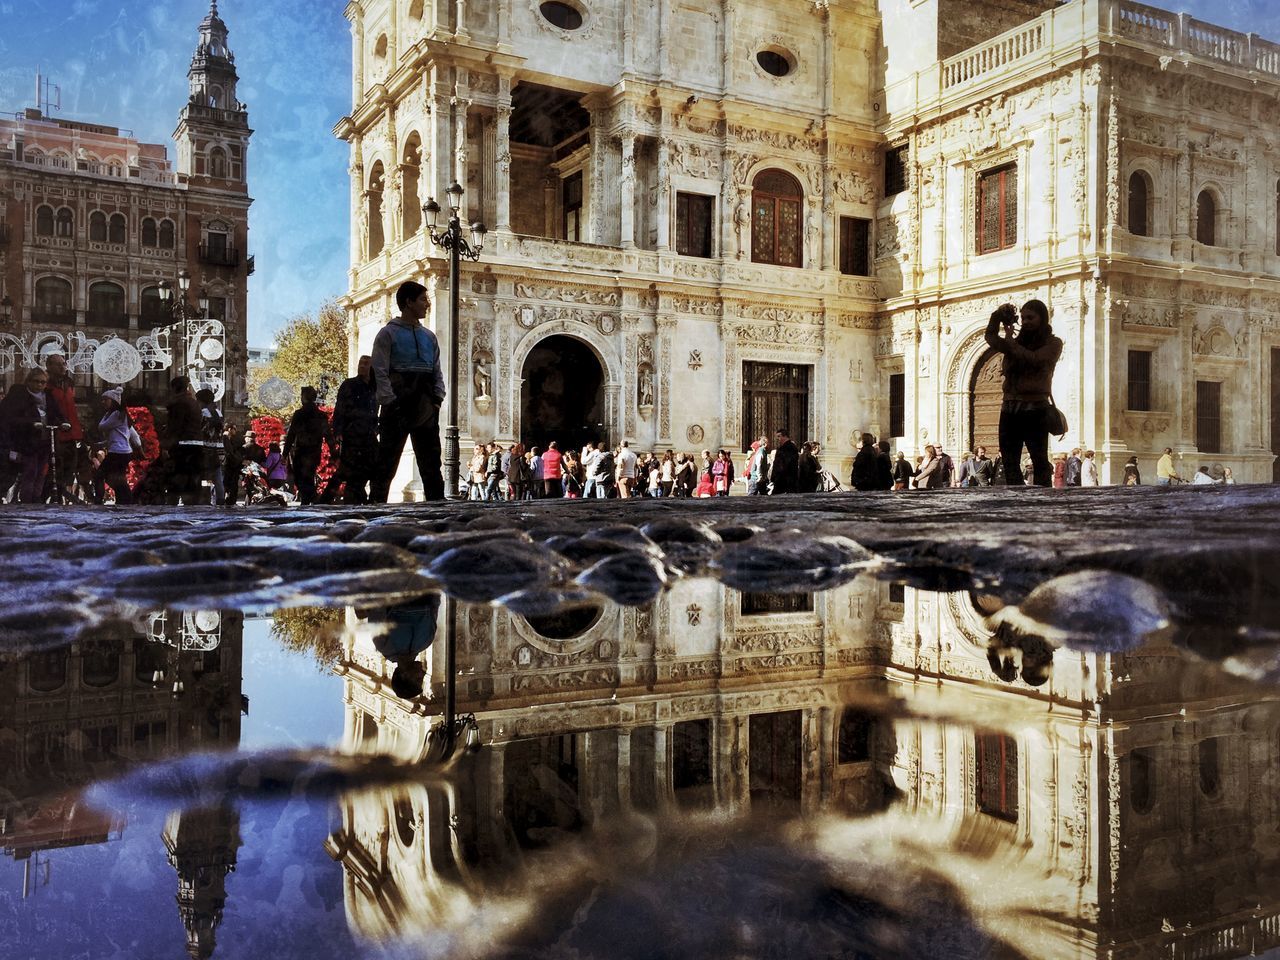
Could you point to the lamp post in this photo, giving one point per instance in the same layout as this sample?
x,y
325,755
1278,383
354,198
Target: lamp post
x,y
452,240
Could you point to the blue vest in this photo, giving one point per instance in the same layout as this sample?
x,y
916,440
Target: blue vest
x,y
413,349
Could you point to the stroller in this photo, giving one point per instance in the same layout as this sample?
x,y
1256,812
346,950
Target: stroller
x,y
257,492
827,482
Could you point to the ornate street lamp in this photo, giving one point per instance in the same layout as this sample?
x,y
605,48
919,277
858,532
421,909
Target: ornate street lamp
x,y
452,240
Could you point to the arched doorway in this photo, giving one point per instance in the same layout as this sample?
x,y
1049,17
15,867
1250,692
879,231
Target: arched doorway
x,y
562,397
986,394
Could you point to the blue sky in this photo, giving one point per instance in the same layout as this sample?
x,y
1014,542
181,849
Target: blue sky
x,y
124,62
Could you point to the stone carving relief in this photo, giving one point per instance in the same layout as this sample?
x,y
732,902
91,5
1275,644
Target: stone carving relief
x,y
591,296
1147,315
854,188
695,160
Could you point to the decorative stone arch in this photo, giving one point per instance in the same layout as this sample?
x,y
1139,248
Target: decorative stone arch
x,y
1148,168
607,626
605,351
1218,194
962,364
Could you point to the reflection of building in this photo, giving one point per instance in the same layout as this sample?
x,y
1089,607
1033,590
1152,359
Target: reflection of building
x,y
803,214
73,715
1085,808
91,220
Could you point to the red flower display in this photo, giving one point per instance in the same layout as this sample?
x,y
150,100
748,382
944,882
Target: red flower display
x,y
269,430
145,424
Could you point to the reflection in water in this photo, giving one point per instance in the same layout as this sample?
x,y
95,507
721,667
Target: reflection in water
x,y
868,771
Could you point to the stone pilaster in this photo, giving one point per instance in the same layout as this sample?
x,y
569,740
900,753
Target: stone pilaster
x,y
628,190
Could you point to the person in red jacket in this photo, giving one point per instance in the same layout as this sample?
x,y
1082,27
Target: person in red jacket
x,y
73,459
552,471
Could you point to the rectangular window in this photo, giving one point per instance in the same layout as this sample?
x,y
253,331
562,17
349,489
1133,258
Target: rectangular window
x,y
897,404
693,224
572,188
774,396
217,246
1208,416
1139,380
895,170
997,775
758,604
218,308
855,736
855,247
898,593
997,209
691,762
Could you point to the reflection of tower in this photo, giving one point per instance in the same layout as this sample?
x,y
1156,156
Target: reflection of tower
x,y
202,847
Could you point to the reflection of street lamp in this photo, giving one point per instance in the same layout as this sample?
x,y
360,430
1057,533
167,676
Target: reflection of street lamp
x,y
6,311
453,241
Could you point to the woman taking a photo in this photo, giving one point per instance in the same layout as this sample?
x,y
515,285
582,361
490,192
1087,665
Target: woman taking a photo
x,y
1030,357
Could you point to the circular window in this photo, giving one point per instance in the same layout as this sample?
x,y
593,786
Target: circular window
x,y
561,15
567,624
774,63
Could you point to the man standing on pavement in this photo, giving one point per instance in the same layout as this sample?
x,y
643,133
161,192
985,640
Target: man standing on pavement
x,y
1165,474
493,472
308,432
355,434
410,387
784,472
1072,473
983,470
184,436
73,459
758,468
590,454
626,470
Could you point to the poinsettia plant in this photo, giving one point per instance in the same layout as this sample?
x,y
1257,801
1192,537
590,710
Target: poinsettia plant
x,y
268,430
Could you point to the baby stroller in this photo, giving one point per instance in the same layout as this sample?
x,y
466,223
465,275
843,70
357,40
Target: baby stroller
x,y
827,482
257,493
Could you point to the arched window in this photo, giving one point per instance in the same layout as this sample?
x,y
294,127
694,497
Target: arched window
x,y
98,227
374,210
1206,219
412,216
115,166
150,235
1139,204
166,234
47,671
152,310
777,227
34,155
215,97
380,47
53,301
66,223
119,228
218,163
100,664
44,222
106,305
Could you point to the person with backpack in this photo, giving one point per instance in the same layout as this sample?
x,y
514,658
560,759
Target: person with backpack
x,y
493,473
118,439
308,432
603,473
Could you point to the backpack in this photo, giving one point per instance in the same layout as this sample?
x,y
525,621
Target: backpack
x,y
520,471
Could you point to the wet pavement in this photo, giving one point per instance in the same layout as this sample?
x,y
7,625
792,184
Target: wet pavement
x,y
965,724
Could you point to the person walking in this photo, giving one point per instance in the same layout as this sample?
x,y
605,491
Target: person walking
x,y
493,473
903,472
863,475
184,438
1071,473
784,471
213,460
1060,471
1089,470
24,443
947,466
1030,357
884,466
626,470
1132,475
983,470
722,474
1165,474
308,433
354,433
73,453
114,428
475,472
409,379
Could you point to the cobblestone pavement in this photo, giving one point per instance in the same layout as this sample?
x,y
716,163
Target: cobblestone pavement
x,y
1210,557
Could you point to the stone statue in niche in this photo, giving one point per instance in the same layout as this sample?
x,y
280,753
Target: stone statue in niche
x,y
481,377
645,386
741,218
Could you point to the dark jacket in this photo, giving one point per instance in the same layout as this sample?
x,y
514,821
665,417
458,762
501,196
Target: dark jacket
x,y
308,430
784,472
903,471
1071,475
186,420
884,471
255,453
865,469
355,412
808,473
982,470
1028,363
18,416
493,465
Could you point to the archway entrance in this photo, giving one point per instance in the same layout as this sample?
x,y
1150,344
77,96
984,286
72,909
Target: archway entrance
x,y
986,394
562,397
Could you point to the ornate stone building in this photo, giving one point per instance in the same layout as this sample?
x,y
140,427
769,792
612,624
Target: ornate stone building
x,y
92,220
713,219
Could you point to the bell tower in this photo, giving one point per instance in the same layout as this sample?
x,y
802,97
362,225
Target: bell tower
x,y
213,130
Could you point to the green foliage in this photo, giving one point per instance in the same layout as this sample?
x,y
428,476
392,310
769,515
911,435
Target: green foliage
x,y
317,631
311,351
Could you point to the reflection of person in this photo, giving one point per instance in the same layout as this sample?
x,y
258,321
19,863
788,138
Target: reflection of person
x,y
1030,356
410,384
355,431
413,628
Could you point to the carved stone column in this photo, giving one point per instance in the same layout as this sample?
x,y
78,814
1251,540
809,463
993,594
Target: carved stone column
x,y
595,230
666,338
460,105
628,211
664,185
460,22
503,164
357,61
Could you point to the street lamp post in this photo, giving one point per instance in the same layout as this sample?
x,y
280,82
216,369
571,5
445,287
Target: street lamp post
x,y
452,240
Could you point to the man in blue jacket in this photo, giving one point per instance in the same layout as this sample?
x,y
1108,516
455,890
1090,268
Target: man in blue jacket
x,y
410,386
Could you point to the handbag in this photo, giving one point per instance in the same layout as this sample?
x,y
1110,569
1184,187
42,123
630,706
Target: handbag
x,y
1055,420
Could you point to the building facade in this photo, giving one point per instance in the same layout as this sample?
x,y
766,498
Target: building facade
x,y
711,220
92,220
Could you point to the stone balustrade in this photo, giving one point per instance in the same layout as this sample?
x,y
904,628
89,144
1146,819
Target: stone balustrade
x,y
995,54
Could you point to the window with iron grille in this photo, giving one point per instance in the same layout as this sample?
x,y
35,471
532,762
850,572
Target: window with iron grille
x,y
759,604
998,209
777,234
53,301
895,170
774,396
572,187
693,224
855,247
997,775
897,404
1208,416
898,593
1139,380
106,306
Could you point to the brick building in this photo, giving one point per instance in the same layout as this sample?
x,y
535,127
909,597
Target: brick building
x,y
92,220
